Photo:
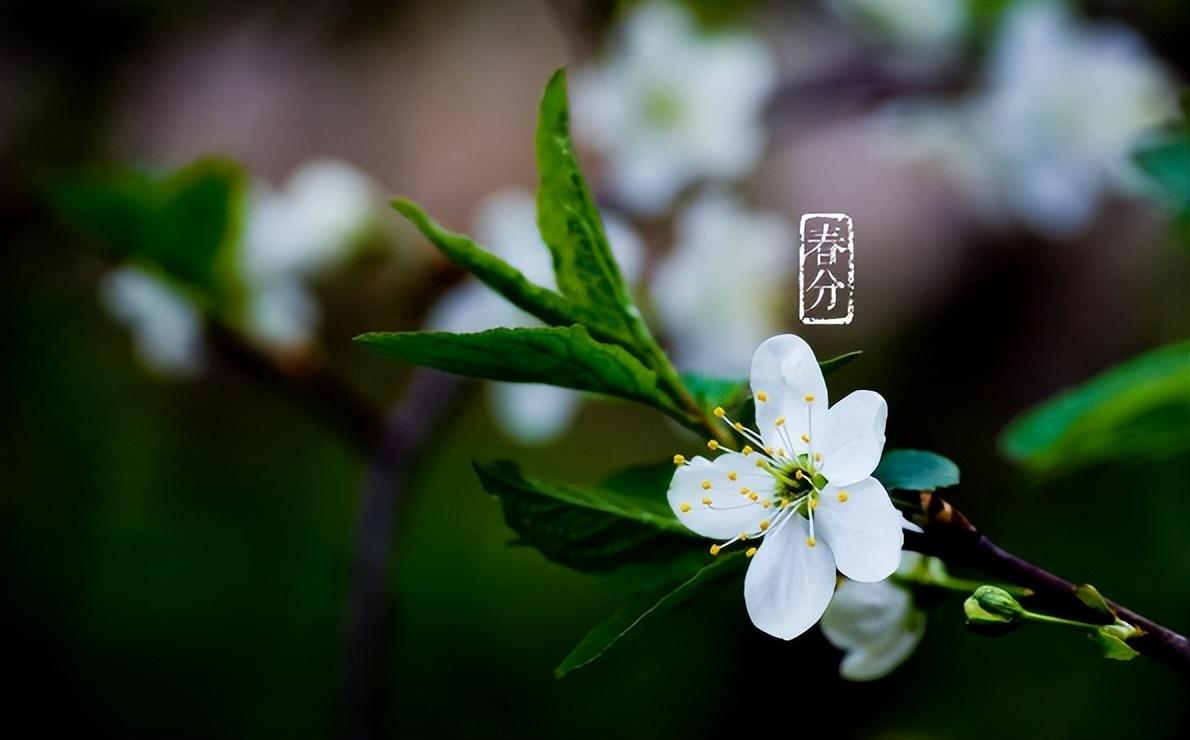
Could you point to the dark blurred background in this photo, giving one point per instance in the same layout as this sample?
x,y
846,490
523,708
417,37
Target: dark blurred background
x,y
177,554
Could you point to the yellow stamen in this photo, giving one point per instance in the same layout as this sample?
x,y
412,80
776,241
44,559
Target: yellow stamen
x,y
743,536
719,412
762,396
685,507
706,500
798,474
842,497
817,457
809,398
764,524
811,542
754,496
780,421
679,460
766,503
814,504
746,451
745,490
732,475
760,463
706,485
738,426
713,444
750,551
806,438
715,549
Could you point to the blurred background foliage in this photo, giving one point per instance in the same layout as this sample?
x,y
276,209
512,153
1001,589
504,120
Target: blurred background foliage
x,y
176,554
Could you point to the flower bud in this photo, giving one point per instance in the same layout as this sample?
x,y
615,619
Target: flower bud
x,y
992,611
999,602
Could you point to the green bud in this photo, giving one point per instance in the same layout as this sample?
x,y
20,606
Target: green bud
x,y
999,602
985,621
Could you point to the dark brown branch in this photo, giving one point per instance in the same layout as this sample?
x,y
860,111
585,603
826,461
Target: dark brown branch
x,y
405,431
951,536
328,399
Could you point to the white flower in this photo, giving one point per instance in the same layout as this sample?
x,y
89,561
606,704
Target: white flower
x,y
878,625
672,104
506,224
166,327
1064,104
806,491
293,235
756,254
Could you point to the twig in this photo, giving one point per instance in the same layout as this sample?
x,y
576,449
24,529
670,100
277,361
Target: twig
x,y
390,443
335,403
951,536
369,609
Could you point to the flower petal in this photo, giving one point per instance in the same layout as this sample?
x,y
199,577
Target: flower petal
x,y
852,438
863,529
789,583
785,373
863,614
879,659
731,511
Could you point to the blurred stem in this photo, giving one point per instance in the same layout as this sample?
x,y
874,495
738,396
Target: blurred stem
x,y
390,443
406,430
951,536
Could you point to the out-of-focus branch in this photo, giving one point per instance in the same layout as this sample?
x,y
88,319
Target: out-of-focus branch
x,y
951,536
390,441
428,395
322,394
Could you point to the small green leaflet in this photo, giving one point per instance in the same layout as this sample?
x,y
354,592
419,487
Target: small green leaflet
x,y
644,608
915,470
1136,411
562,356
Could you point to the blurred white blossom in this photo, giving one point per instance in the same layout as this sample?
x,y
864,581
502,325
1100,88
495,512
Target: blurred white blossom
x,y
294,234
671,104
166,328
1048,133
1064,104
877,625
506,224
718,243
936,24
290,236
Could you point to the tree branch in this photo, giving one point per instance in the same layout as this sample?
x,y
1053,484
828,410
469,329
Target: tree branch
x,y
951,536
369,606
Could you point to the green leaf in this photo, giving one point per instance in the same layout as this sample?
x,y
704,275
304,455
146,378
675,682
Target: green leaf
x,y
644,608
569,220
1090,596
562,356
915,470
497,274
1111,646
186,223
1136,411
710,392
839,362
1165,159
588,528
